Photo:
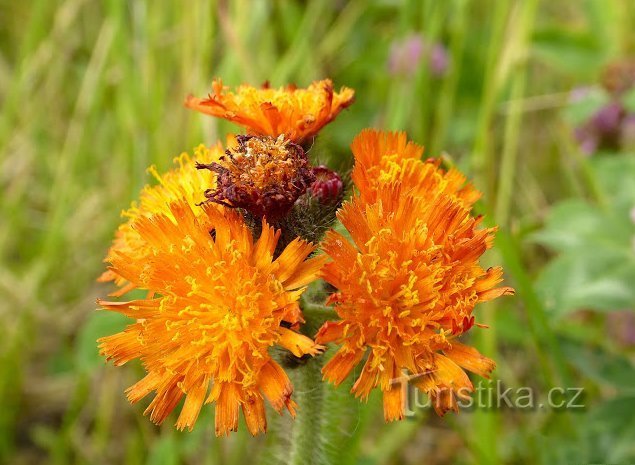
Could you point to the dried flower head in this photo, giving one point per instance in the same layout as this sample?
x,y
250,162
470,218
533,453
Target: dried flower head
x,y
408,284
263,175
220,302
183,182
298,114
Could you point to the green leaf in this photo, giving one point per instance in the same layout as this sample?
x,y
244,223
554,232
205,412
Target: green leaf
x,y
616,176
567,225
592,277
596,267
611,429
574,224
598,364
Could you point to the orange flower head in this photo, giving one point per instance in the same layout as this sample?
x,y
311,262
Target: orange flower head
x,y
299,114
406,290
182,182
262,175
220,302
382,158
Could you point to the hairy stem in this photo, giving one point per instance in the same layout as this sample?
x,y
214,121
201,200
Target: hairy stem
x,y
307,445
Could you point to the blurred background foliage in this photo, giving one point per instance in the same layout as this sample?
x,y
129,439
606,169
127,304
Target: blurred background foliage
x,y
516,93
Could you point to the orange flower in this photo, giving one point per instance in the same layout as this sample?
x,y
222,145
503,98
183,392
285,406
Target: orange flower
x,y
299,114
408,285
385,157
182,182
222,302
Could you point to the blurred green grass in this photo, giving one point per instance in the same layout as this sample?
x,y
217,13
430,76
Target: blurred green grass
x,y
91,95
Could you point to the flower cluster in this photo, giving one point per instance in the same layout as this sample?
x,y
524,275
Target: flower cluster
x,y
220,246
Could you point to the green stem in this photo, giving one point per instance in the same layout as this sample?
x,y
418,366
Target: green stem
x,y
316,315
307,443
307,446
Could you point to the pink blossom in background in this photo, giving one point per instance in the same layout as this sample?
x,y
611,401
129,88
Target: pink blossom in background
x,y
405,55
604,130
439,60
408,54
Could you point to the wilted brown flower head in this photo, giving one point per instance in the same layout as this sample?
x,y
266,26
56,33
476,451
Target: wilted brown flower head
x,y
261,174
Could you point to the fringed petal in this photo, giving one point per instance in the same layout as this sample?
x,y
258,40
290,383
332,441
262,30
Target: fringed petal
x,y
332,331
297,343
275,385
195,396
471,359
297,113
305,273
337,369
227,405
122,347
254,411
394,402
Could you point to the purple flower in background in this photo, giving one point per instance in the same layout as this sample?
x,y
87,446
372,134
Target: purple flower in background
x,y
612,127
439,60
406,56
603,130
608,118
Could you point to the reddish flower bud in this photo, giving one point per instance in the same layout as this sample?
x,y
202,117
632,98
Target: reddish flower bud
x,y
328,185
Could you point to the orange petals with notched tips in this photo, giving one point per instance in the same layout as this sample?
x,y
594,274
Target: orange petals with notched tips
x,y
122,347
394,402
383,158
276,386
471,359
216,304
297,113
227,406
254,411
337,369
184,182
408,281
372,147
193,403
298,344
331,331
